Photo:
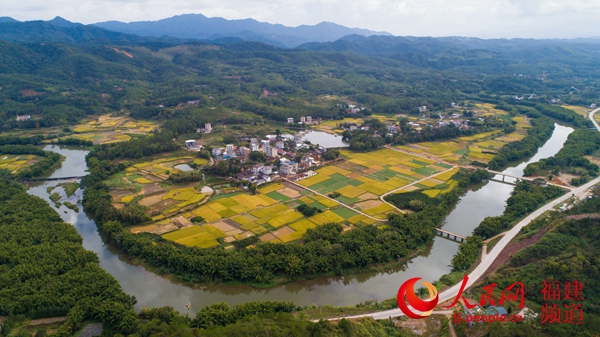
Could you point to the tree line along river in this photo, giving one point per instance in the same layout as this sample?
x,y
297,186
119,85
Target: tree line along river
x,y
484,200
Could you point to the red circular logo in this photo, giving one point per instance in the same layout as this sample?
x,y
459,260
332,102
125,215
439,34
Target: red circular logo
x,y
406,293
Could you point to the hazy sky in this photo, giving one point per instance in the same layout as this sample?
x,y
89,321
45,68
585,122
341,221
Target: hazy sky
x,y
480,18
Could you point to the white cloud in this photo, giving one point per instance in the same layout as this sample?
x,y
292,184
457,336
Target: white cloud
x,y
483,18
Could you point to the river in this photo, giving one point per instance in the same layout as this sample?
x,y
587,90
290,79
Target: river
x,y
154,291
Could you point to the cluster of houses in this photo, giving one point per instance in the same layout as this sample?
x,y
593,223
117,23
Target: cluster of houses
x,y
21,118
274,148
284,148
288,168
351,108
307,120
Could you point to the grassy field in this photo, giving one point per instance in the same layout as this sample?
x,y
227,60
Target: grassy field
x,y
16,163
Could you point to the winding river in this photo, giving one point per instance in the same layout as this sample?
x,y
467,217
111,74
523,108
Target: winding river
x,y
153,291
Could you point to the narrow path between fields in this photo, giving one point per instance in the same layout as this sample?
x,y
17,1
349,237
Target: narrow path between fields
x,y
339,202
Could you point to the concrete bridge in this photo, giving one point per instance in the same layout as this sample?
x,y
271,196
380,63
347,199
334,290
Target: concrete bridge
x,y
450,235
504,175
52,179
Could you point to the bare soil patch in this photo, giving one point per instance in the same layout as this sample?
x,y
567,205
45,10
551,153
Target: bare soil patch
x,y
162,206
182,222
221,225
283,231
267,237
511,250
368,204
152,189
149,201
46,321
411,188
367,196
288,192
154,228
583,216
355,175
234,232
117,194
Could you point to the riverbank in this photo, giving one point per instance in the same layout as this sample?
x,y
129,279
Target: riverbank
x,y
347,290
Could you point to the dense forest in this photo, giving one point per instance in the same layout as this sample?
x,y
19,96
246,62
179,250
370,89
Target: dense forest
x,y
46,272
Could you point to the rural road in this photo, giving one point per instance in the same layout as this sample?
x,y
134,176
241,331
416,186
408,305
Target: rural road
x,y
488,259
341,203
593,120
381,197
413,183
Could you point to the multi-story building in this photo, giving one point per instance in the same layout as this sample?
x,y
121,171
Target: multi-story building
x,y
244,152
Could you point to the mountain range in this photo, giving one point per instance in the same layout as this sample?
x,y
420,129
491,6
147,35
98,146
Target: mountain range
x,y
247,35
199,27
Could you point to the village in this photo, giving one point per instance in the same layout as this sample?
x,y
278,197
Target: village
x,y
289,156
280,156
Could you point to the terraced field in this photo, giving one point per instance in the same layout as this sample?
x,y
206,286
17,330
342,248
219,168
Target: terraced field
x,y
15,163
107,129
480,147
142,182
270,215
363,177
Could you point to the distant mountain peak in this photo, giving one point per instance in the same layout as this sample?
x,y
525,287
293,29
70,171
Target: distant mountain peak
x,y
7,19
198,26
59,21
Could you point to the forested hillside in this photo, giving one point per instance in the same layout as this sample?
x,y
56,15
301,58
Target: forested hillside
x,y
567,252
66,72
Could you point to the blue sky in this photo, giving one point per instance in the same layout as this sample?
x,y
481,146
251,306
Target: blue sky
x,y
478,18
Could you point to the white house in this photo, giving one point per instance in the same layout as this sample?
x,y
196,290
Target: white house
x,y
266,170
217,151
288,168
290,120
308,161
